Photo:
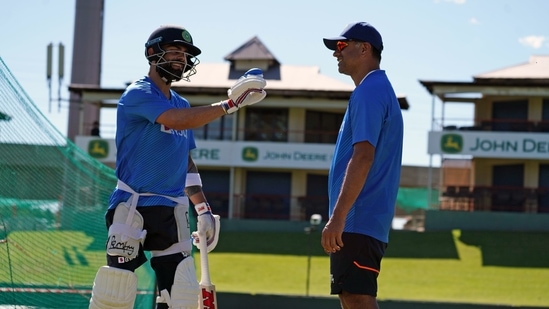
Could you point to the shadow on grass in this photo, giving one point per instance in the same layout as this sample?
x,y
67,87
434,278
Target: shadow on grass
x,y
402,244
511,249
236,300
428,245
283,243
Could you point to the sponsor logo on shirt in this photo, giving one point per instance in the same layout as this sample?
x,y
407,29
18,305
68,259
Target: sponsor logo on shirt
x,y
166,129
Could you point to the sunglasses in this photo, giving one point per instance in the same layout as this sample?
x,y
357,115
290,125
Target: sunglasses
x,y
341,45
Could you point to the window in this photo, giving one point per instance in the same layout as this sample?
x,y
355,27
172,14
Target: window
x,y
219,129
543,188
543,126
322,127
508,182
216,189
510,116
317,196
268,195
266,124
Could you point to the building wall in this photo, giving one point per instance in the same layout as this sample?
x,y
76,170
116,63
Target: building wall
x,y
418,176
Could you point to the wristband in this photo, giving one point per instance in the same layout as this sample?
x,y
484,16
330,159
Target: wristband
x,y
193,179
228,106
202,208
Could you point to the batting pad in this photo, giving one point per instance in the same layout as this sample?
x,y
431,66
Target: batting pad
x,y
185,287
113,288
125,232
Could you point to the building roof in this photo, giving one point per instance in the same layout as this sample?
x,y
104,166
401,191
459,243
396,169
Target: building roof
x,y
254,49
536,68
279,77
282,80
531,78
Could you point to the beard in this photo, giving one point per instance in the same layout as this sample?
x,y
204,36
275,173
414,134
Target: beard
x,y
169,72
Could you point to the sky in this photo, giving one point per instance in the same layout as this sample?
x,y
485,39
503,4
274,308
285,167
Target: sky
x,y
435,40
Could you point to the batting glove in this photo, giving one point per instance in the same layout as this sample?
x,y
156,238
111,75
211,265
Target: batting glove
x,y
208,224
247,90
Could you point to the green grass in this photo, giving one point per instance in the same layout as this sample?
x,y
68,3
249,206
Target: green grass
x,y
469,278
507,268
55,258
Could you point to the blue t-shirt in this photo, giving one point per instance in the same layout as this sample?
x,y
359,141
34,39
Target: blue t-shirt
x,y
373,115
150,157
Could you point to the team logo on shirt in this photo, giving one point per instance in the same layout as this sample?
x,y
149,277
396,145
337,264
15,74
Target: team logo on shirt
x,y
168,130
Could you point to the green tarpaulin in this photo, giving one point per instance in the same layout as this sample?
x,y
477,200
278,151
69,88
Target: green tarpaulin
x,y
410,199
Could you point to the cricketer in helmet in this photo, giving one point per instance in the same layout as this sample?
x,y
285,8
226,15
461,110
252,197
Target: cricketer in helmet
x,y
157,47
158,181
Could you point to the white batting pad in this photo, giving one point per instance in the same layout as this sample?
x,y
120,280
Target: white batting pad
x,y
124,239
185,287
113,288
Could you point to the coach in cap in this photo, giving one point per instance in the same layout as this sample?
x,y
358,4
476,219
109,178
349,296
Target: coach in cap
x,y
365,171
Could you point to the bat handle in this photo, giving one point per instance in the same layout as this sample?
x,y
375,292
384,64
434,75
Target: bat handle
x,y
204,265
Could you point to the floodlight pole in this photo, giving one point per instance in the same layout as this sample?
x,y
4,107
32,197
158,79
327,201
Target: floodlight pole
x,y
60,72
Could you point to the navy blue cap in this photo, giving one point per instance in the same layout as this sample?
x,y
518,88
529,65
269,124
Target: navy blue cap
x,y
360,31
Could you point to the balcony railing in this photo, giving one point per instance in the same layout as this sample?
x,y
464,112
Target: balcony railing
x,y
453,198
495,198
272,135
268,206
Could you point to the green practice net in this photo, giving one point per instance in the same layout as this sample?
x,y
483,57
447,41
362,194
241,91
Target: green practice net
x,y
53,197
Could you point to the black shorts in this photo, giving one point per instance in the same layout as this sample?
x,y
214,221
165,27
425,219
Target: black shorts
x,y
159,221
355,268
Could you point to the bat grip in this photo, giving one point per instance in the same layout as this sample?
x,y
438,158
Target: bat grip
x,y
204,265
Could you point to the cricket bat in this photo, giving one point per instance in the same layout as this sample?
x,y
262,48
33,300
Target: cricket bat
x,y
207,298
